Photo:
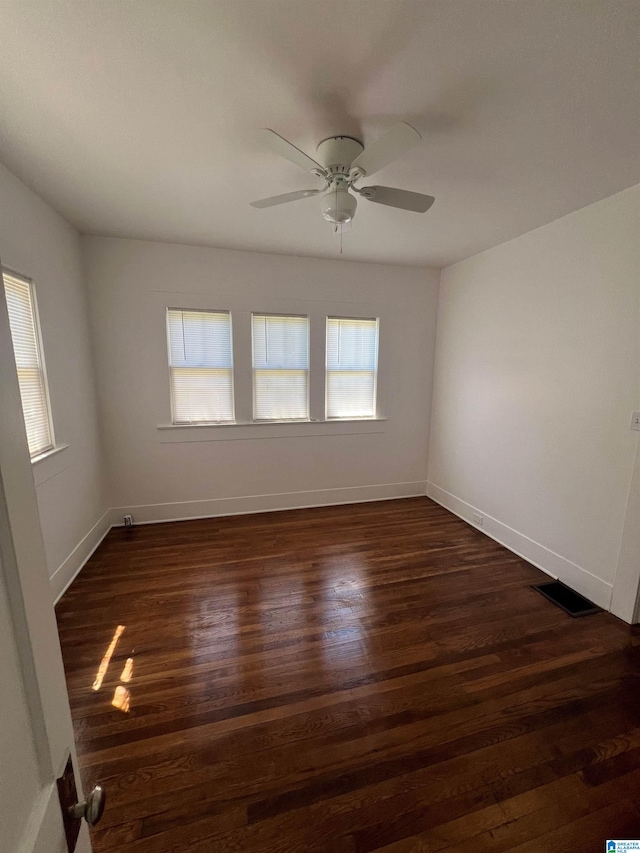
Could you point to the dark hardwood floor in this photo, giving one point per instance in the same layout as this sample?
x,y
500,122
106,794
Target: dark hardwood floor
x,y
367,677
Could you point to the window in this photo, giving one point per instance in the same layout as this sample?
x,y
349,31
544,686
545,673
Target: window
x,y
202,370
27,346
352,367
201,363
280,367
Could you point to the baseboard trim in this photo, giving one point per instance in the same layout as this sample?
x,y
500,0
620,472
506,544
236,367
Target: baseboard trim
x,y
69,570
246,505
533,552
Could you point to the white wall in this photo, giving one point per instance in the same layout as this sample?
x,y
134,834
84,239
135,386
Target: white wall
x,y
160,474
37,242
537,373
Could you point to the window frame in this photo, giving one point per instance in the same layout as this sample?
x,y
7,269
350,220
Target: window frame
x,y
376,371
170,368
37,330
253,369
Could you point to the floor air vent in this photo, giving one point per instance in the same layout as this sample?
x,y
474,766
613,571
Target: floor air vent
x,y
566,598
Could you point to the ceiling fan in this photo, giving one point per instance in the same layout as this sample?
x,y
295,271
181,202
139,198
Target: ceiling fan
x,y
343,160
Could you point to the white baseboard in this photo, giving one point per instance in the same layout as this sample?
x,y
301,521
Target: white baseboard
x,y
543,558
67,572
183,510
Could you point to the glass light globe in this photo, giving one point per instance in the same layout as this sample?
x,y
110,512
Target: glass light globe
x,y
338,206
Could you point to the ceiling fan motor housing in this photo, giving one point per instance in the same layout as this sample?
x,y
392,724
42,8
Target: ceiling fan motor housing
x,y
337,153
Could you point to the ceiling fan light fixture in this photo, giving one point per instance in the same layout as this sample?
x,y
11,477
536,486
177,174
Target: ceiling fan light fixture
x,y
338,206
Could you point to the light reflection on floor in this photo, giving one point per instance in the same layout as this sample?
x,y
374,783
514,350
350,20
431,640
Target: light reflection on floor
x,y
104,664
127,672
122,695
344,580
214,634
122,699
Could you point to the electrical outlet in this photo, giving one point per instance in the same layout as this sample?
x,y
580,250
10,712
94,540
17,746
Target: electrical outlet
x,y
635,421
478,519
128,521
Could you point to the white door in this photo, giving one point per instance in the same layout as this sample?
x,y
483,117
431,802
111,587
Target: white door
x,y
36,734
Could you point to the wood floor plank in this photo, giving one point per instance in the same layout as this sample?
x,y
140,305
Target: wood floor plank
x,y
367,677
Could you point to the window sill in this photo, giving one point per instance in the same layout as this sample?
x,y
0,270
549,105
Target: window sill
x,y
178,433
48,453
49,464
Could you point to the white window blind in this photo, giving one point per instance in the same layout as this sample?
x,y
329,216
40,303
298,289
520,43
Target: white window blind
x,y
352,367
201,363
28,353
280,367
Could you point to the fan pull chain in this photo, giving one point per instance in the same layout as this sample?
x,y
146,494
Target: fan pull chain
x,y
336,210
335,227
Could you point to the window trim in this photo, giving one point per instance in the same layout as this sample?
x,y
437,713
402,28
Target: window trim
x,y
253,370
170,367
33,296
375,415
265,430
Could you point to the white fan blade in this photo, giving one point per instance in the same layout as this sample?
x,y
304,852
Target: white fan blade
x,y
287,150
284,198
403,199
389,147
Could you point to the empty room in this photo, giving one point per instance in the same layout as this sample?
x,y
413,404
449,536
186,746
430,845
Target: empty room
x,y
319,426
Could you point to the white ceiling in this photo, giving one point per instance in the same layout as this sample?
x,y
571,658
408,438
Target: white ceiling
x,y
136,118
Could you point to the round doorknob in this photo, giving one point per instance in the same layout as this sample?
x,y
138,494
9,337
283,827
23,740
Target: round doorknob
x,y
92,808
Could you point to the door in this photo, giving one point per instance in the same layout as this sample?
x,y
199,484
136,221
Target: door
x,y
36,734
